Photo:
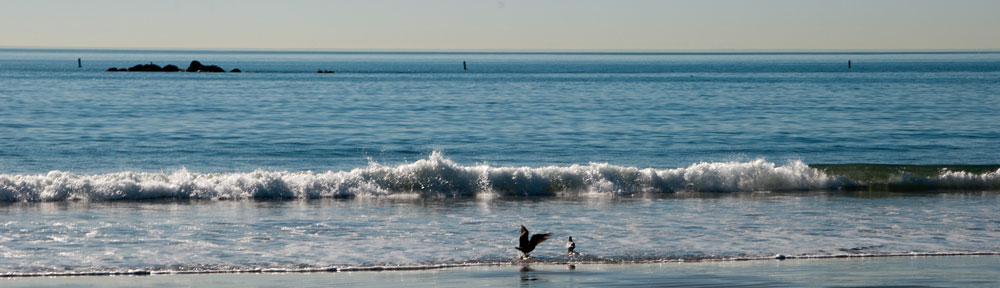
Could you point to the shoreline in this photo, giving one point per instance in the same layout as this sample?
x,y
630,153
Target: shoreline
x,y
385,268
964,271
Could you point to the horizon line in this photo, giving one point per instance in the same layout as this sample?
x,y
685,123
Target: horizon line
x,y
528,50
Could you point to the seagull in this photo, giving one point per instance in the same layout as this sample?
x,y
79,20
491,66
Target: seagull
x,y
528,245
570,245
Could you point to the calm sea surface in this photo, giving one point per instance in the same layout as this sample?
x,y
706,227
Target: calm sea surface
x,y
407,159
641,110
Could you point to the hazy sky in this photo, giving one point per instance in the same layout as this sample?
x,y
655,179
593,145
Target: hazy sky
x,y
503,25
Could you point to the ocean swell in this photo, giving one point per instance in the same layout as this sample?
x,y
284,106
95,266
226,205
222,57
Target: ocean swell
x,y
438,176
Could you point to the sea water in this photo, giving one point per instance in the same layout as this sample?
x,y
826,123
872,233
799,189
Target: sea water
x,y
404,159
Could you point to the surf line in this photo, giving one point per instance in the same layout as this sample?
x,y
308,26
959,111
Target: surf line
x,y
140,272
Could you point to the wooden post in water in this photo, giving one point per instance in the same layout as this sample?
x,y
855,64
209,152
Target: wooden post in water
x,y
79,63
848,64
464,67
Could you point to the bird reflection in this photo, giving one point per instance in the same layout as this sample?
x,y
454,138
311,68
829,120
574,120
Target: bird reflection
x,y
528,275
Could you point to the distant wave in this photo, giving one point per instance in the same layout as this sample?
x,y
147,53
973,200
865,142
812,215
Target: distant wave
x,y
438,176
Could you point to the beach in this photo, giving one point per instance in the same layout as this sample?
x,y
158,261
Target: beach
x,y
944,271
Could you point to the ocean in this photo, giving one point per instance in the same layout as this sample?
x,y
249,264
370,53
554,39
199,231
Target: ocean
x,y
405,159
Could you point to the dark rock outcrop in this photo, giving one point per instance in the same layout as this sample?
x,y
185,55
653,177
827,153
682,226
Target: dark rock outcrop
x,y
235,70
146,68
213,68
194,67
198,67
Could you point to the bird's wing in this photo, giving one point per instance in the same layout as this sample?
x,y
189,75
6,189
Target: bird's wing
x,y
538,238
523,241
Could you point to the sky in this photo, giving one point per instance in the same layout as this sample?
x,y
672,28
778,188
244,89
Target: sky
x,y
568,25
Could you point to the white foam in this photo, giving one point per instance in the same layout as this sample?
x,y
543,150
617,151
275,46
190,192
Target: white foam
x,y
950,180
438,176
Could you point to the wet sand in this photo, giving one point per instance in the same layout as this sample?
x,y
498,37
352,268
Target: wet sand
x,y
941,271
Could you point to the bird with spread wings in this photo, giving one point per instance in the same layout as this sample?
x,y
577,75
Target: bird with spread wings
x,y
528,244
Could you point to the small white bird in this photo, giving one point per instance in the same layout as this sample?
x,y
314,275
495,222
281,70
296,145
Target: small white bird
x,y
570,245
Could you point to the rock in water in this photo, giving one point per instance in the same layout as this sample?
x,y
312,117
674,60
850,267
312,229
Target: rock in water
x,y
146,68
212,68
195,66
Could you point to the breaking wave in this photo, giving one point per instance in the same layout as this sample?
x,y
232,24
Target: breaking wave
x,y
438,176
